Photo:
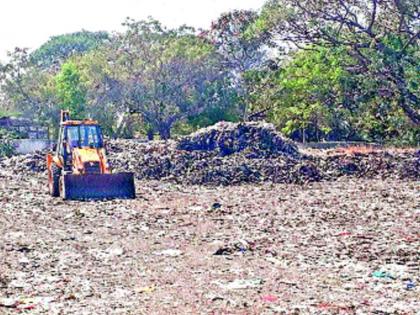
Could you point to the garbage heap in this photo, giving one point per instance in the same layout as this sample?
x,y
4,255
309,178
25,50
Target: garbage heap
x,y
254,139
224,154
21,164
229,154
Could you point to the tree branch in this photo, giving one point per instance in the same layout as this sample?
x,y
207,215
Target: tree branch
x,y
373,15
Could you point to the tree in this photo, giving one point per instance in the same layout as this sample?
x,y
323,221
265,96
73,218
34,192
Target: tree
x,y
59,48
382,36
26,89
70,90
306,96
167,75
240,53
227,34
104,90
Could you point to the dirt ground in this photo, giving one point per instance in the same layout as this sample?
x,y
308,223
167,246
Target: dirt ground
x,y
344,247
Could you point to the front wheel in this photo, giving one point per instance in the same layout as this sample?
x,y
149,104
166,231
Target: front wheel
x,y
54,181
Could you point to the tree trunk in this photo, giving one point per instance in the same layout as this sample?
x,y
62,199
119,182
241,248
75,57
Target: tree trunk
x,y
150,134
406,97
411,113
165,132
125,128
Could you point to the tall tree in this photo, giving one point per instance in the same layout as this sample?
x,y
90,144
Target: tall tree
x,y
26,89
228,35
59,48
306,97
382,36
241,53
168,75
71,90
104,90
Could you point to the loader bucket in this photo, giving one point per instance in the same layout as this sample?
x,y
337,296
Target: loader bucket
x,y
99,186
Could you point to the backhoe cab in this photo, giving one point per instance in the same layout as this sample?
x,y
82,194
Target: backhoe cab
x,y
78,169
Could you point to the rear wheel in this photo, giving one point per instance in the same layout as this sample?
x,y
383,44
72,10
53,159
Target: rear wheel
x,y
54,181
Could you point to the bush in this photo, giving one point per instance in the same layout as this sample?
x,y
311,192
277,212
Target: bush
x,y
6,146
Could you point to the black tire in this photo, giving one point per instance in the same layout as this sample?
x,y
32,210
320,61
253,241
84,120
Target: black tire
x,y
55,184
62,189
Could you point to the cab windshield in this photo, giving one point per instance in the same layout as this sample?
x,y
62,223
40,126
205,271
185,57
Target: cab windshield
x,y
84,136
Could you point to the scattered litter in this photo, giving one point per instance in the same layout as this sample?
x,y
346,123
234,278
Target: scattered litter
x,y
9,302
410,285
169,252
115,251
344,234
295,237
22,303
145,290
269,298
383,274
240,284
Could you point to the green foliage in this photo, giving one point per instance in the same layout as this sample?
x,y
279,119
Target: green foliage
x,y
6,146
371,91
305,96
314,97
70,90
8,135
166,75
214,115
27,90
8,113
308,88
59,48
333,76
104,88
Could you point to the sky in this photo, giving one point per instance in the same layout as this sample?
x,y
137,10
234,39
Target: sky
x,y
30,23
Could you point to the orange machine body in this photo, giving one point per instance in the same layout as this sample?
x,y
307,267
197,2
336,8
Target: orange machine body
x,y
79,169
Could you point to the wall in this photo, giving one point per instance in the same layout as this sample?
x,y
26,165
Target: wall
x,y
25,146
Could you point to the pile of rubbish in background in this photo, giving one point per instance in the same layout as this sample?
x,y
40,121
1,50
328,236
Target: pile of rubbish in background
x,y
229,153
234,153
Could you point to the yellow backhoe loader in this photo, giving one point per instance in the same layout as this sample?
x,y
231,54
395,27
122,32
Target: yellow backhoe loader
x,y
79,170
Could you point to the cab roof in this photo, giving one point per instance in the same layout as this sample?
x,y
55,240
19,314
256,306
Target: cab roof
x,y
79,122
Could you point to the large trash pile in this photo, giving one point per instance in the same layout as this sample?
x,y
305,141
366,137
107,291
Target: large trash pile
x,y
228,153
376,164
35,162
255,139
165,161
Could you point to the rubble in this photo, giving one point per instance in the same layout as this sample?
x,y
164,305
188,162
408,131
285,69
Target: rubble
x,y
35,162
240,284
